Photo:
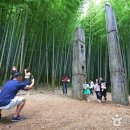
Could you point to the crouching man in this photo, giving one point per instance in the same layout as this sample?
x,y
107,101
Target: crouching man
x,y
8,98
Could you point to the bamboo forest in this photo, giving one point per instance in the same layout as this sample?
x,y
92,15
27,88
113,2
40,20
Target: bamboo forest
x,y
37,34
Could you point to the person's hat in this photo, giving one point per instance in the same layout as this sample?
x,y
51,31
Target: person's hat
x,y
17,74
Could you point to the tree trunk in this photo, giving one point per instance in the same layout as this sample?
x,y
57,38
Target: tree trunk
x,y
117,73
89,53
5,40
23,43
53,58
10,49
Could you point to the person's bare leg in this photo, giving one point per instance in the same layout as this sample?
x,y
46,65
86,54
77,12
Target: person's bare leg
x,y
89,97
19,108
86,97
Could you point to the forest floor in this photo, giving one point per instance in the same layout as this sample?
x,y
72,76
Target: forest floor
x,y
49,111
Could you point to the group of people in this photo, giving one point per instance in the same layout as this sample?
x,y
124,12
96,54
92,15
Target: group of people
x,y
8,98
100,88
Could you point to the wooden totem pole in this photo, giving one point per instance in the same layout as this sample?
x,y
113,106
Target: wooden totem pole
x,y
117,72
79,63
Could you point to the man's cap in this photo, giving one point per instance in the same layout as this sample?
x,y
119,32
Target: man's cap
x,y
17,74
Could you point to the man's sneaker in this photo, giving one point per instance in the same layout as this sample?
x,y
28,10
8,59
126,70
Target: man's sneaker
x,y
18,118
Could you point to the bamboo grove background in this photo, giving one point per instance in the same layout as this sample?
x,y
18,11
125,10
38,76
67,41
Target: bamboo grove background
x,y
37,34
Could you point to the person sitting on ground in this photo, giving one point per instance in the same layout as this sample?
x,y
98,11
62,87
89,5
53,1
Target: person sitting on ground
x,y
97,90
13,71
8,98
27,76
86,90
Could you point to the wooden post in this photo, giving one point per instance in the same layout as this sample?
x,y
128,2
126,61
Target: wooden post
x,y
79,64
117,73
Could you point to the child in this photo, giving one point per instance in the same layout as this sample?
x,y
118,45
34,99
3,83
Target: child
x,y
86,91
27,76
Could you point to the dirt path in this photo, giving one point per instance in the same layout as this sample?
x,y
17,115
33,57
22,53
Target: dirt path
x,y
45,111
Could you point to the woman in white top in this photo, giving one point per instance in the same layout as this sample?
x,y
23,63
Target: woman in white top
x,y
97,90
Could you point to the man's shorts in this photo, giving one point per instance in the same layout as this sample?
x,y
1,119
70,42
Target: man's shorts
x,y
14,102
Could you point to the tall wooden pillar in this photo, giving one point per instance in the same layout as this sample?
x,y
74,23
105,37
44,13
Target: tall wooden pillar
x,y
79,63
117,72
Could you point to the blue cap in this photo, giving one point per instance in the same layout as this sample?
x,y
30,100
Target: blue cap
x,y
17,74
